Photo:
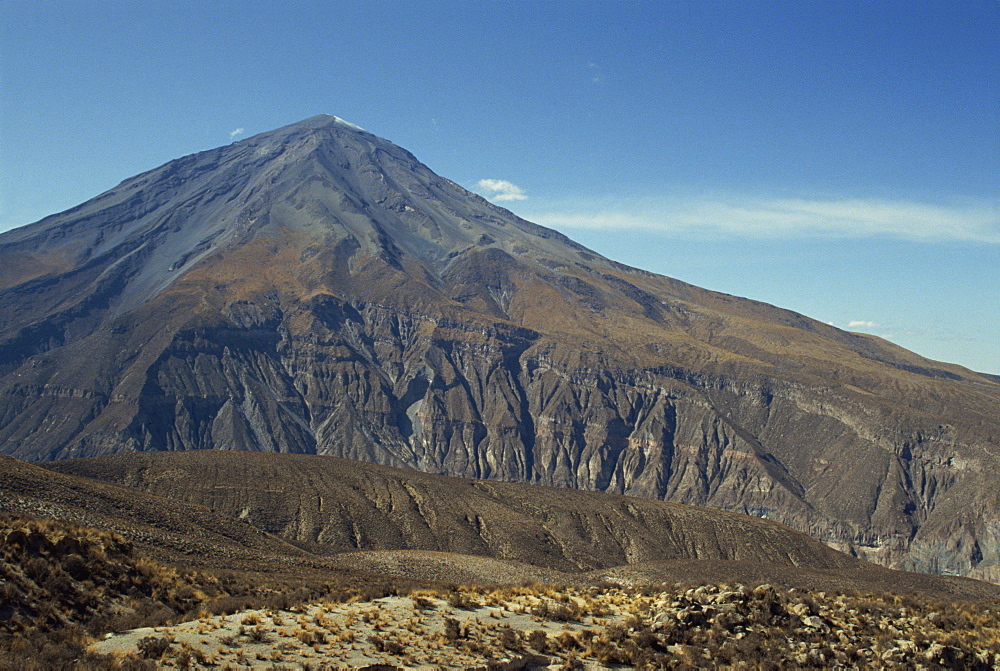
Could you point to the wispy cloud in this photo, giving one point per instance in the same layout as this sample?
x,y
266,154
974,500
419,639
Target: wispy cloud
x,y
501,189
594,72
235,133
790,217
862,324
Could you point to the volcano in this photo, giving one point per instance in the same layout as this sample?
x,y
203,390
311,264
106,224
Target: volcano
x,y
316,289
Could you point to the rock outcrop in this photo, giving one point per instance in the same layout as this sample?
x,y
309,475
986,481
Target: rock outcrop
x,y
318,290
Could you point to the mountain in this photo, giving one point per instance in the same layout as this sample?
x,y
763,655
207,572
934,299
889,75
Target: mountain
x,y
316,289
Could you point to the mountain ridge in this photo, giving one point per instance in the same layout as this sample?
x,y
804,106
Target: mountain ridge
x,y
316,289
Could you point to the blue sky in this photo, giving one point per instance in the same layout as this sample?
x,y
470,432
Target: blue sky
x,y
835,158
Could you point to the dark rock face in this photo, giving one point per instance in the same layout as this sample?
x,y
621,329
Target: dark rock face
x,y
317,290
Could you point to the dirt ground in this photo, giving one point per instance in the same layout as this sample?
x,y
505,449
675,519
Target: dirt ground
x,y
412,632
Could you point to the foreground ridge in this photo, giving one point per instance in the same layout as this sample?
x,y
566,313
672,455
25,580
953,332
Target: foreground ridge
x,y
538,626
310,514
76,597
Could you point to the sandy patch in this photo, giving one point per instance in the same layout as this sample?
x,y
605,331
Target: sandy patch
x,y
419,632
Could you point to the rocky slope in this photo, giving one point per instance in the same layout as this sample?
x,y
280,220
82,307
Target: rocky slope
x,y
316,289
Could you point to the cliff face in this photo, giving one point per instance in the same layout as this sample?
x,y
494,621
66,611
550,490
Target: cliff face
x,y
318,290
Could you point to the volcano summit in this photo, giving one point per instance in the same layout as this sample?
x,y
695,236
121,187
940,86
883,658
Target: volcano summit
x,y
316,289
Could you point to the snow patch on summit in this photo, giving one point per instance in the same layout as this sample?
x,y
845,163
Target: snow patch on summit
x,y
350,125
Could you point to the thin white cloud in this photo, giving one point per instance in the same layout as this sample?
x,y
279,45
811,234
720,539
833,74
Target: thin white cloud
x,y
862,324
595,73
791,217
236,132
501,189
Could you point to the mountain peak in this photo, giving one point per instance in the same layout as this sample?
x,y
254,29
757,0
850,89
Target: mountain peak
x,y
324,179
321,121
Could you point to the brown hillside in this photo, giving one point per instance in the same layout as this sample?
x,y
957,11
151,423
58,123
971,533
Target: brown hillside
x,y
167,529
409,524
328,505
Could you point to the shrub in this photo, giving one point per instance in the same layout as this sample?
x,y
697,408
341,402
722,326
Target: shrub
x,y
422,603
383,644
153,647
509,638
8,591
607,653
37,569
258,634
461,600
539,640
452,629
76,567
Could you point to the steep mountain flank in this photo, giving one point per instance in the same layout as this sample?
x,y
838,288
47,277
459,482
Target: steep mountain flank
x,y
316,289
